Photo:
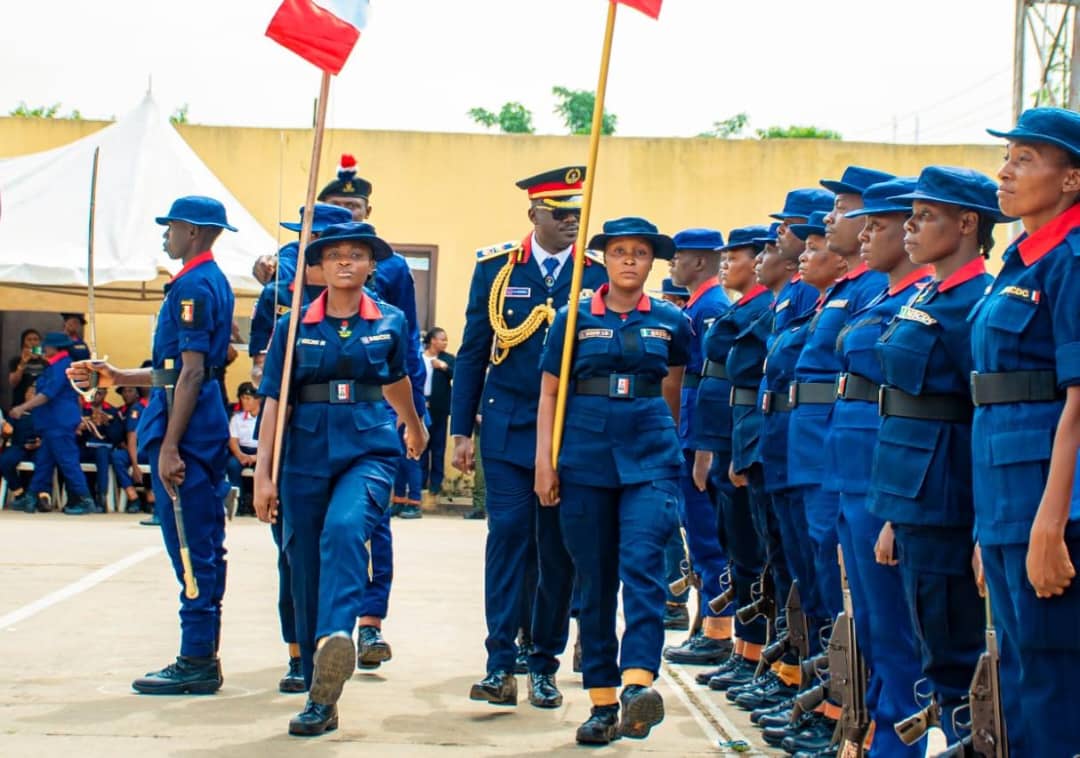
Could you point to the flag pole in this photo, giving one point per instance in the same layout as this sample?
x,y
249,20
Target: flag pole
x,y
583,231
298,280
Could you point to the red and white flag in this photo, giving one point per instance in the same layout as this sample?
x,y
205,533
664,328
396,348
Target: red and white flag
x,y
323,32
648,7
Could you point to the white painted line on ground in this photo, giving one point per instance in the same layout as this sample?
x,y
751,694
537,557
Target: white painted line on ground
x,y
73,589
712,720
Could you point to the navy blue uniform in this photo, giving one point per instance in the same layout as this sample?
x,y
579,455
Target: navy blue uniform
x,y
99,451
714,427
1028,322
816,371
618,476
57,420
339,458
23,434
506,394
195,316
886,637
699,515
121,459
794,298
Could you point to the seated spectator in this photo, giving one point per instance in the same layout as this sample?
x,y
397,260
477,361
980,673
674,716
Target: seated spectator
x,y
243,443
58,416
128,475
26,367
98,434
22,444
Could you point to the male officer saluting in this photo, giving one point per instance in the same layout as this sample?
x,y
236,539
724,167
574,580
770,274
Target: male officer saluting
x,y
186,437
516,289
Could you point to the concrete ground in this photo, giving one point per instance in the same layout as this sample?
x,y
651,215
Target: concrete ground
x,y
87,604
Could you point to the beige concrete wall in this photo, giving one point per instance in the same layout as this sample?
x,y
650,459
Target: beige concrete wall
x,y
457,191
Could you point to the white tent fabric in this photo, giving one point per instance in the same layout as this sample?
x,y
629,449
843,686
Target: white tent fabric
x,y
144,165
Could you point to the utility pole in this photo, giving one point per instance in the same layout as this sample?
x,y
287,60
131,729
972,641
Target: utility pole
x,y
1053,29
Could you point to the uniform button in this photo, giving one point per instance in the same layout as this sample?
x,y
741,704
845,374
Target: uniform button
x,y
510,312
491,400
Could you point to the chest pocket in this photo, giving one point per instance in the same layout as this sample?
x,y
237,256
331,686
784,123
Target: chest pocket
x,y
904,350
858,336
1009,317
309,356
377,348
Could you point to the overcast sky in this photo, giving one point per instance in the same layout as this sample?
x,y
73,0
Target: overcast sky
x,y
921,70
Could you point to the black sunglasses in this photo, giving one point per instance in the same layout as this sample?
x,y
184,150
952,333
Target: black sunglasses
x,y
561,214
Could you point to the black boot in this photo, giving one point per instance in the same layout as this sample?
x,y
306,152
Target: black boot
x,y
314,720
642,709
25,502
543,692
187,676
497,688
81,507
677,617
293,681
372,650
601,727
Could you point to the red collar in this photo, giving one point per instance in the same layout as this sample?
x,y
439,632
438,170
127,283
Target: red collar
x,y
198,260
526,251
855,273
797,278
925,272
598,307
316,312
706,285
973,268
755,291
57,358
1035,246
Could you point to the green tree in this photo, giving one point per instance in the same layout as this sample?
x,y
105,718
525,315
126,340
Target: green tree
x,y
42,111
576,108
180,115
797,132
729,128
514,118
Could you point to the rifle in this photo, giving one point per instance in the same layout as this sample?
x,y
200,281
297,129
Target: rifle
x,y
914,727
690,579
725,598
848,677
988,738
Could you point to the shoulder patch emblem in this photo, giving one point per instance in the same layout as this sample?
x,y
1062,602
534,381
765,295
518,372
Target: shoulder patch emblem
x,y
914,314
494,251
187,311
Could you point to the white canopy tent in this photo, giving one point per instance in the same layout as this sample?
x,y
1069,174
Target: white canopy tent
x,y
144,165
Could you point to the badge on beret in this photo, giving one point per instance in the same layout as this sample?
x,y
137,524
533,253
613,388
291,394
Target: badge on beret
x,y
187,312
348,188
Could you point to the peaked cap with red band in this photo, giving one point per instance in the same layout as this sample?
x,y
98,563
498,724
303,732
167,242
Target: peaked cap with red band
x,y
558,188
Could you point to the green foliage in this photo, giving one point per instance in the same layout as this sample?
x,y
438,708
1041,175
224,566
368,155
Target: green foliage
x,y
43,111
797,132
576,109
729,128
514,118
180,115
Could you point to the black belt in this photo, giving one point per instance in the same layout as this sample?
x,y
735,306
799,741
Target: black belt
x,y
742,396
715,370
340,392
775,402
956,409
167,377
691,381
855,387
1014,387
621,386
812,393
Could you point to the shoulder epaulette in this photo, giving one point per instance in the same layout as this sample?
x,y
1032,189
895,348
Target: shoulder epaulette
x,y
595,256
494,251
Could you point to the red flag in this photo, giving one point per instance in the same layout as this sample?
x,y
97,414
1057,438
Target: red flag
x,y
648,7
323,32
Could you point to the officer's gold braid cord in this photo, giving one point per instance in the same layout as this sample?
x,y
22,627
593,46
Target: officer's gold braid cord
x,y
505,336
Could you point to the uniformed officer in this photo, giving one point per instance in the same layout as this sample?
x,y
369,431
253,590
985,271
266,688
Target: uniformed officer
x,y
512,300
98,433
126,452
885,634
795,297
1025,435
713,420
673,293
23,443
57,414
340,454
186,437
696,266
617,488
392,283
73,327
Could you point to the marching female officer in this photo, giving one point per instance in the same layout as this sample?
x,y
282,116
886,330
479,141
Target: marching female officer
x,y
1026,344
618,482
713,431
335,487
921,482
886,637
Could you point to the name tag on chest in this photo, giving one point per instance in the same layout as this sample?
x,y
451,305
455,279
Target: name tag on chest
x,y
661,334
313,343
520,292
837,303
594,334
914,314
376,338
1023,293
783,305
